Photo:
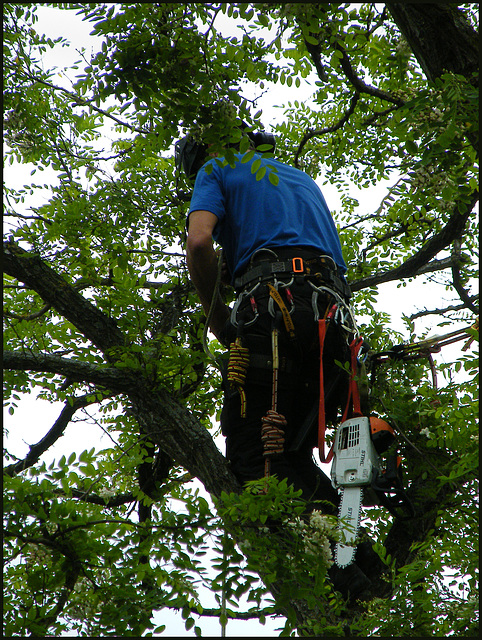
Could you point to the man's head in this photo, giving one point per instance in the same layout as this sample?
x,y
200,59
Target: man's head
x,y
190,155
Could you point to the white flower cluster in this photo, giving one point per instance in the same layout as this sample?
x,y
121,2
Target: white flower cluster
x,y
425,432
317,535
244,546
323,529
106,493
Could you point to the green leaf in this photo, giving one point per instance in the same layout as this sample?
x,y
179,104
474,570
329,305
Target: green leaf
x,y
244,145
411,147
260,174
189,624
256,165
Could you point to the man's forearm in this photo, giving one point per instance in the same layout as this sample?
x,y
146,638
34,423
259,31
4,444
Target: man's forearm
x,y
203,265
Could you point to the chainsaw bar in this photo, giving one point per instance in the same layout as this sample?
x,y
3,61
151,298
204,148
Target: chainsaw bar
x,y
349,524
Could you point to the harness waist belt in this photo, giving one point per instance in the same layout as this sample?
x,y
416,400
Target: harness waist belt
x,y
295,267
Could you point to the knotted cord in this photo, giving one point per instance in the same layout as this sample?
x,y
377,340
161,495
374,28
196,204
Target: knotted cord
x,y
272,433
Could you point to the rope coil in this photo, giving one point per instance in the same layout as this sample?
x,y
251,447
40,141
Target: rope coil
x,y
237,369
272,433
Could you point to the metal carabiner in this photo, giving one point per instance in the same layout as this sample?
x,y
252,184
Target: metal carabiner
x,y
271,310
289,295
239,299
314,304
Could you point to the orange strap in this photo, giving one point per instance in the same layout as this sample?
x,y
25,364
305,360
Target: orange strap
x,y
353,392
322,328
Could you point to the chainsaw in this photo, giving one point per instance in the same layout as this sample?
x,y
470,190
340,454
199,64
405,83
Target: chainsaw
x,y
357,465
354,464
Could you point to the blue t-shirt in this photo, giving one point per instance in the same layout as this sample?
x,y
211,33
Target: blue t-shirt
x,y
253,214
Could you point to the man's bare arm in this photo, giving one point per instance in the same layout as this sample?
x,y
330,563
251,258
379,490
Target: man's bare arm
x,y
202,264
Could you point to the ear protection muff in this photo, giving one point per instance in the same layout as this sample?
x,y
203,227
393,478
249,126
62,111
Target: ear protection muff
x,y
190,156
262,137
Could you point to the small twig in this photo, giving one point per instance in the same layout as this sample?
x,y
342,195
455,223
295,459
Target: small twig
x,y
318,132
32,316
405,437
427,312
36,450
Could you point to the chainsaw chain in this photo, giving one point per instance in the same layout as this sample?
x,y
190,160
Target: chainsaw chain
x,y
357,528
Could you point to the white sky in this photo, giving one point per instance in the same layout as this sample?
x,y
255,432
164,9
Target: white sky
x,y
33,418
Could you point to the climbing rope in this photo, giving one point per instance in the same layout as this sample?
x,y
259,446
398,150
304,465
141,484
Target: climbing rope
x,y
273,423
272,434
207,351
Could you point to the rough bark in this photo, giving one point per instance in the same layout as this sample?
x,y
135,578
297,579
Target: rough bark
x,y
442,40
439,36
104,377
29,268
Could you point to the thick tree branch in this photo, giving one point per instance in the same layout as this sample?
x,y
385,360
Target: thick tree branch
x,y
30,269
106,377
442,40
163,420
411,267
362,87
57,430
315,53
457,278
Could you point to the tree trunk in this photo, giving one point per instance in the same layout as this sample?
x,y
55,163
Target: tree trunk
x,y
439,36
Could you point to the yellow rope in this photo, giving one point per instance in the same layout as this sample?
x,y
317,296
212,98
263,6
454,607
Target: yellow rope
x,y
288,322
237,369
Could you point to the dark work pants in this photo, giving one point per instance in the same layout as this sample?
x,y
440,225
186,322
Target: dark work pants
x,y
298,393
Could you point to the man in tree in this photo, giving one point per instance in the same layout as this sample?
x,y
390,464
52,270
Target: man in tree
x,y
285,262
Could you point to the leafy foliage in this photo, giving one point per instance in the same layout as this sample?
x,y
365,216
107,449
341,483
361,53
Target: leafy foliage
x,y
100,313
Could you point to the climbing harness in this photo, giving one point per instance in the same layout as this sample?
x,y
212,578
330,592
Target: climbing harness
x,y
323,266
320,273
